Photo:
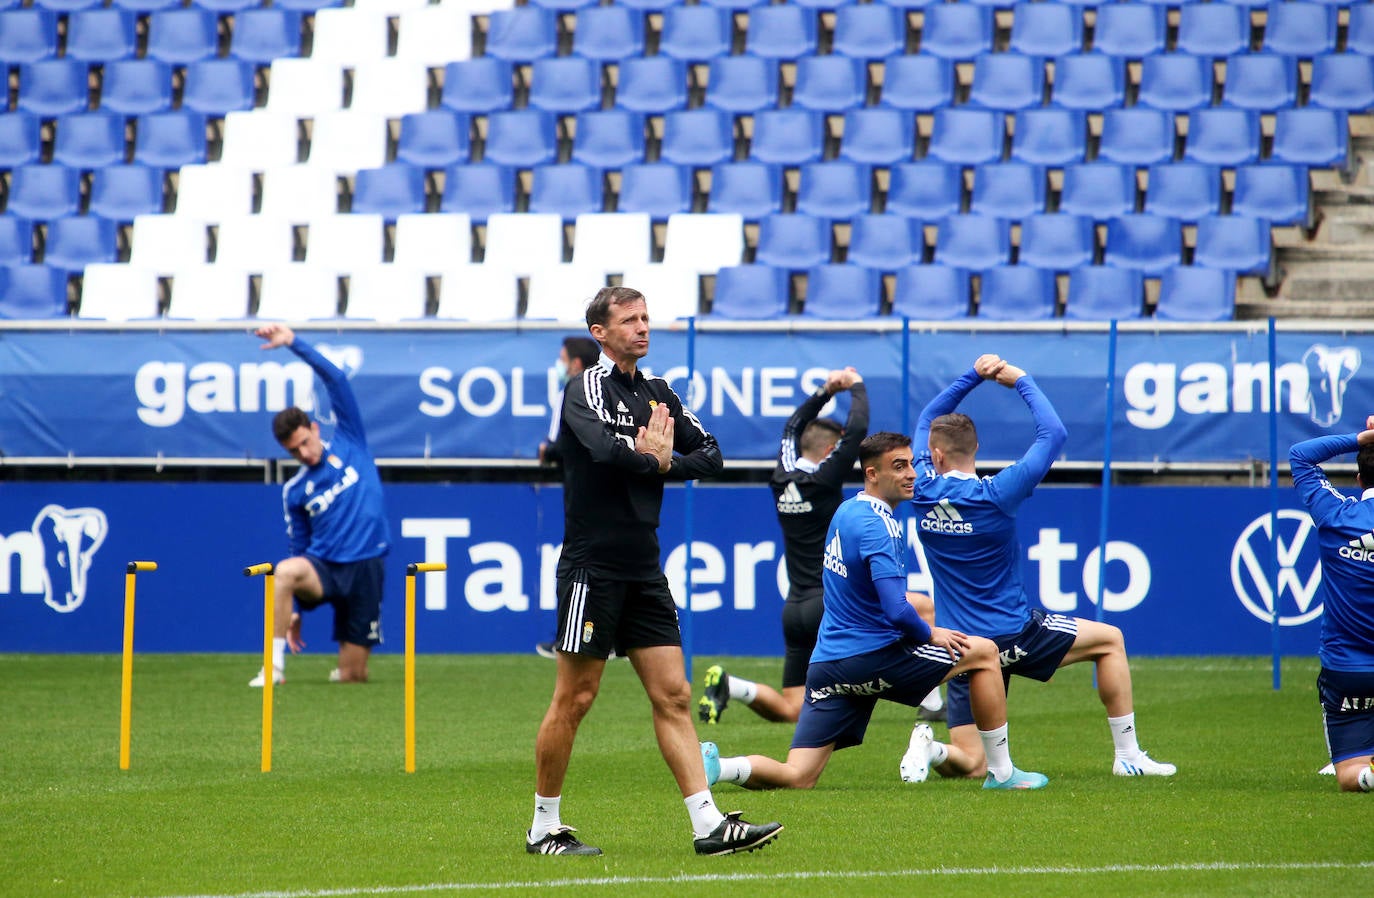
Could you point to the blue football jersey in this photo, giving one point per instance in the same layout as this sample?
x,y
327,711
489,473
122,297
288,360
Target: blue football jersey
x,y
864,543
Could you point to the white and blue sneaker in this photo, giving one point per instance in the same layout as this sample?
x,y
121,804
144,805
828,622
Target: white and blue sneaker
x,y
710,759
1142,765
1019,779
915,765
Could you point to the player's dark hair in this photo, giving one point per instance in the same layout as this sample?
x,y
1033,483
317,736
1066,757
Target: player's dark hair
x,y
818,434
1364,463
876,445
583,349
954,434
287,422
599,309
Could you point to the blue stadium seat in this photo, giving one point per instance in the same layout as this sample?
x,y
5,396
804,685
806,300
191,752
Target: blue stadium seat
x,y
1236,243
1101,293
1049,136
1213,29
1275,191
609,138
1343,81
1099,190
1183,190
1300,29
307,6
1196,294
33,292
27,35
917,82
829,83
749,189
146,6
170,139
659,189
262,34
835,189
521,137
1311,136
1145,243
1175,82
1136,136
796,241
697,137
563,5
565,84
41,192
522,34
478,86
89,140
742,84
1129,30
1089,81
927,190
119,192
390,191
21,140
957,30
609,33
236,7
787,136
878,136
436,138
750,292
885,242
1007,81
217,87
650,5
1057,241
909,4
931,293
16,240
182,36
1016,293
870,31
652,84
842,292
1046,29
966,136
1010,190
780,32
1360,29
973,242
136,87
1262,82
53,87
695,33
568,190
59,6
76,241
1222,136
478,191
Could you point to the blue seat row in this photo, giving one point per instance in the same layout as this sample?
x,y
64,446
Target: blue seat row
x,y
56,87
175,35
93,140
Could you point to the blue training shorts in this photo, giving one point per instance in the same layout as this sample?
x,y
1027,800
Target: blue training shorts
x,y
354,588
1347,698
1035,652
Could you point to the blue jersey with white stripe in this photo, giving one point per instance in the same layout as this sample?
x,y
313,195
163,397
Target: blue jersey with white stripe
x,y
334,509
863,545
967,524
1345,528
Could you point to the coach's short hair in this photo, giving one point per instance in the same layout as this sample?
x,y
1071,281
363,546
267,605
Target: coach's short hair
x,y
599,309
876,445
1364,463
819,433
584,349
287,422
954,434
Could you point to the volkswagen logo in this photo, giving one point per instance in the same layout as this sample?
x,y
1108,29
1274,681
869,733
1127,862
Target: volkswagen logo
x,y
1300,570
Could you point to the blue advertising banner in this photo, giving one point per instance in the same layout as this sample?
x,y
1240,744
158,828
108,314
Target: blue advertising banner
x,y
1186,568
446,394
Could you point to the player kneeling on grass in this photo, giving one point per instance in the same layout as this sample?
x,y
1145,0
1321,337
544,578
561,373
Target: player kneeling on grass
x,y
873,645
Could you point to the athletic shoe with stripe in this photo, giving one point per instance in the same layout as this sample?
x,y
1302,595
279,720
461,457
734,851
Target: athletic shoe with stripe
x,y
735,835
717,696
278,677
710,759
1019,779
915,765
1142,765
560,840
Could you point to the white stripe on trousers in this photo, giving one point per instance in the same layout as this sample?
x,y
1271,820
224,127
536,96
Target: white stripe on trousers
x,y
577,610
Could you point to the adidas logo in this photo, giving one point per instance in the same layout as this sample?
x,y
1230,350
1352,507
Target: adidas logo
x,y
945,518
834,557
791,501
1359,549
620,407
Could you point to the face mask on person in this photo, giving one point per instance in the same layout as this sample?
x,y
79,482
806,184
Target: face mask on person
x,y
561,367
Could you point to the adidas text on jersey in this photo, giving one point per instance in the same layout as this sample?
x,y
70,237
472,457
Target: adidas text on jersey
x,y
1359,549
945,518
834,556
791,501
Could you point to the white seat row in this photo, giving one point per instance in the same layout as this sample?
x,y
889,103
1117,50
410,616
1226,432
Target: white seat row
x,y
357,35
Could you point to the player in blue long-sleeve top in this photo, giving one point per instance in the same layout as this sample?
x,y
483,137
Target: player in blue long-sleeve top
x,y
967,525
1345,528
336,525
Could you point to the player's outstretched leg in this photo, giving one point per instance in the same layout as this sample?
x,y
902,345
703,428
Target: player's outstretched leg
x,y
712,704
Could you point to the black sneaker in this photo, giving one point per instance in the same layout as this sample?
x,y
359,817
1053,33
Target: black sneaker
x,y
560,841
937,716
735,834
712,704
545,650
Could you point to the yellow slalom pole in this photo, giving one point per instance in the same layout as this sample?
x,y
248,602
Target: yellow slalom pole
x,y
126,692
411,571
268,670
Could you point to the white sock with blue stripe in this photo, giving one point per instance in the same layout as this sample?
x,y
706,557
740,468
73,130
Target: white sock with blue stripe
x,y
1123,736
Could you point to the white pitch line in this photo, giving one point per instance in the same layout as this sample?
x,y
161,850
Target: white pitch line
x,y
794,875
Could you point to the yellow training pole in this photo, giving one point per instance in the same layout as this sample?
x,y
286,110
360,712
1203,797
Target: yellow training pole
x,y
411,571
268,670
126,692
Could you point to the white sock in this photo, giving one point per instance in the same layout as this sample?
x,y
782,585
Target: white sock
x,y
743,690
735,770
1366,779
545,816
705,815
997,747
933,701
939,753
279,652
1123,736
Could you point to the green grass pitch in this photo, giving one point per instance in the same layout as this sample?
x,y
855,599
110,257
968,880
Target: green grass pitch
x,y
1246,814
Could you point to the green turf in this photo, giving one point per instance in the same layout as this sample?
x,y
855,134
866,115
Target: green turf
x,y
1246,815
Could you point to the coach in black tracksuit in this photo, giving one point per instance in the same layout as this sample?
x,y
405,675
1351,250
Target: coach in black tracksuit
x,y
622,435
